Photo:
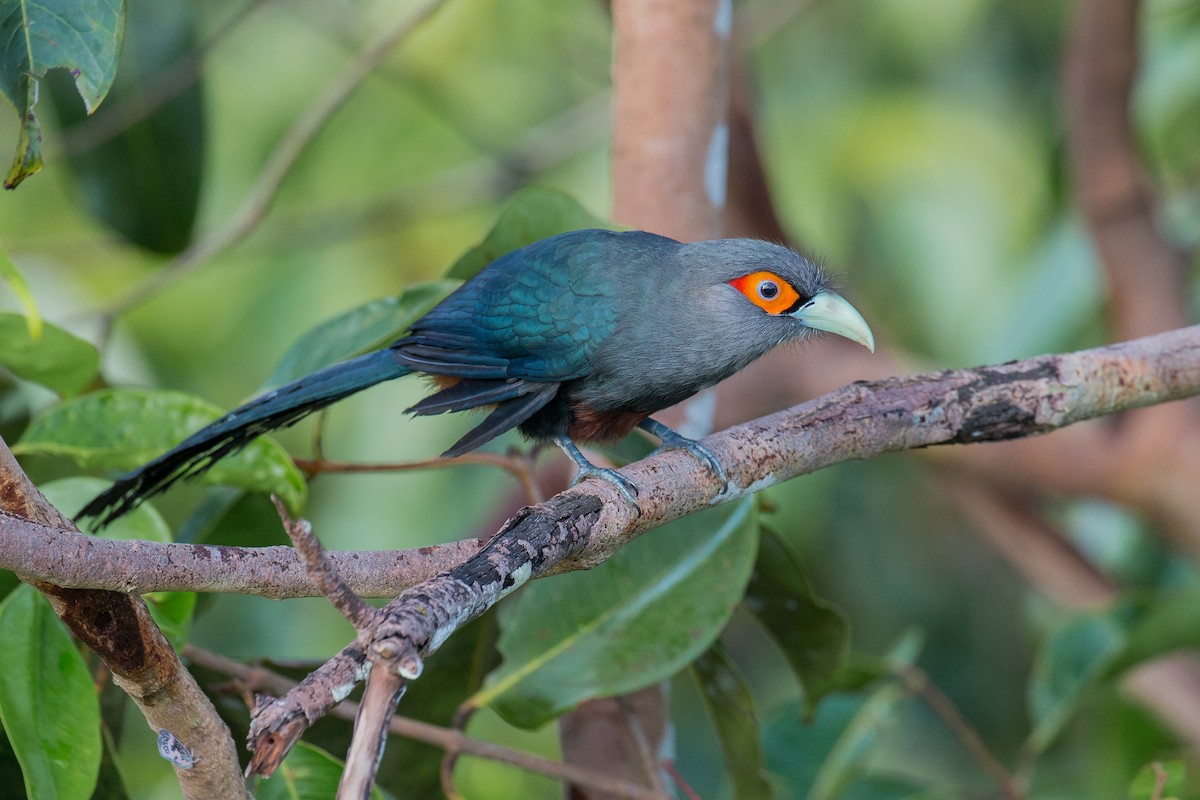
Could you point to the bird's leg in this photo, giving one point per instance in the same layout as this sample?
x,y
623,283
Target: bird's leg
x,y
673,440
589,470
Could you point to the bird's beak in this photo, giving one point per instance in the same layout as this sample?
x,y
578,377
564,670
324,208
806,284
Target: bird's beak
x,y
828,311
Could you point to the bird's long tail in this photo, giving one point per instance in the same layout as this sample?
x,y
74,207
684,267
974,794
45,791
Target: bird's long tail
x,y
277,408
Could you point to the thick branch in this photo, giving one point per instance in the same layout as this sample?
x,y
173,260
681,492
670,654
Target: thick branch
x,y
671,63
1091,383
575,529
38,551
118,628
1145,274
670,96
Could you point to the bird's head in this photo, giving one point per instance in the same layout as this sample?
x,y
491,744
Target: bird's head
x,y
773,291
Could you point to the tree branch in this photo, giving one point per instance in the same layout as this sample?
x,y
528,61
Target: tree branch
x,y
670,154
259,679
1145,274
322,572
118,628
670,97
582,527
64,556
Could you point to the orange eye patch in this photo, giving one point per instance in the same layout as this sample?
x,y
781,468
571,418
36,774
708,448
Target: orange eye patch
x,y
768,291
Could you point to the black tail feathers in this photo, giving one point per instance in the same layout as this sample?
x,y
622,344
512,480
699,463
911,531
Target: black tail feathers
x,y
276,409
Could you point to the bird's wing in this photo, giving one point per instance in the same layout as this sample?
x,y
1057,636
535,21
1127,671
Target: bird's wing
x,y
433,355
471,393
507,415
544,309
531,321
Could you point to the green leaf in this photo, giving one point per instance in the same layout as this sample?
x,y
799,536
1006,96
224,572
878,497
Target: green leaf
x,y
48,704
83,36
1158,781
629,623
308,773
359,330
533,214
1169,622
818,758
813,633
121,429
17,284
1072,661
731,708
1096,646
847,757
138,161
56,359
69,495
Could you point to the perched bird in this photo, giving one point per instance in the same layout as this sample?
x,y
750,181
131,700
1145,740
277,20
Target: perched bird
x,y
575,338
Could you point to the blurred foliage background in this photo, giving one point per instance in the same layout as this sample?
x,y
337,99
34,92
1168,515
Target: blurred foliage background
x,y
916,146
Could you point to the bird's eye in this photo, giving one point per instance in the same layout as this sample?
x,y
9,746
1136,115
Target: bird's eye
x,y
768,291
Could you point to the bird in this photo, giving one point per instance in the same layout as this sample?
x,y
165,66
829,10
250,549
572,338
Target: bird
x,y
578,337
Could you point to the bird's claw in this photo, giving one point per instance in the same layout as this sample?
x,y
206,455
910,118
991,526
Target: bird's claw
x,y
671,440
626,487
587,469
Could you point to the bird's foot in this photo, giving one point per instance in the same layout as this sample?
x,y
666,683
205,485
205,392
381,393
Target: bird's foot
x,y
587,469
626,487
673,440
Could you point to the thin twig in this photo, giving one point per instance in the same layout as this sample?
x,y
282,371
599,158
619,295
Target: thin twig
x,y
322,572
680,784
302,133
468,185
917,682
462,716
515,464
635,724
1160,780
319,438
524,462
384,689
1035,547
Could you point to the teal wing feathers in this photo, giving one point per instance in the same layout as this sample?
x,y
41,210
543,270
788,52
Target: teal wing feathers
x,y
536,314
530,322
